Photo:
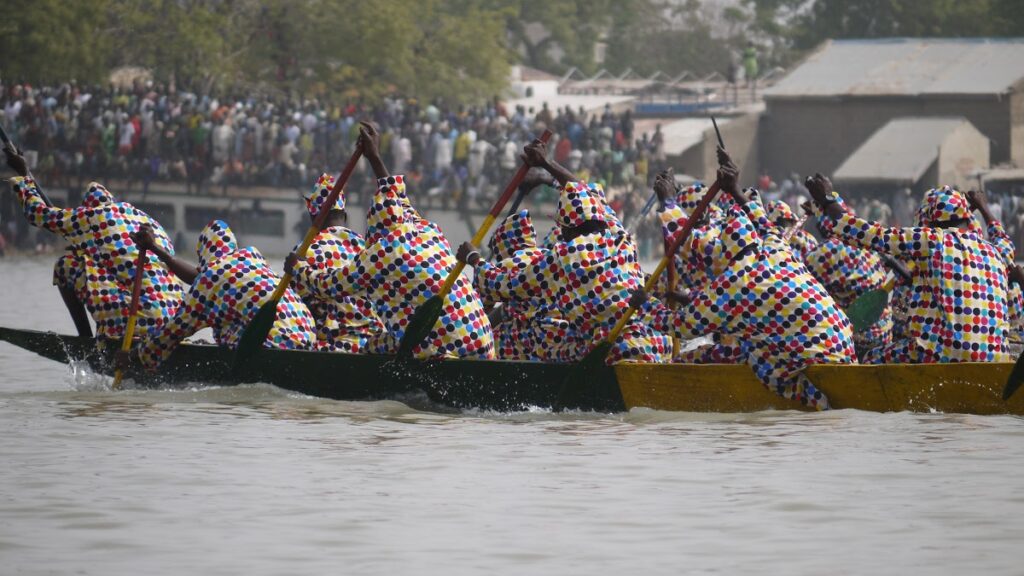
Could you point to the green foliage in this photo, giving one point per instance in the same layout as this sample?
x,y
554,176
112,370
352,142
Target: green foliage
x,y
800,25
454,50
53,40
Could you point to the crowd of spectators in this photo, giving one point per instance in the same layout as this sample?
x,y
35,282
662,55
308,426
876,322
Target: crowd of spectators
x,y
453,156
151,132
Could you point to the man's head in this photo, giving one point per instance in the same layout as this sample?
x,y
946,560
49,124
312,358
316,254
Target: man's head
x,y
96,195
515,233
780,213
944,208
215,241
317,197
578,205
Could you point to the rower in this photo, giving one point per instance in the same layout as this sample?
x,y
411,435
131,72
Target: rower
x,y
848,272
781,317
229,286
587,274
781,214
957,304
405,262
529,329
98,268
698,260
349,323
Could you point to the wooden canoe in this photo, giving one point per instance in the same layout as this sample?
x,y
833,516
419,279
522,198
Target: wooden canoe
x,y
507,385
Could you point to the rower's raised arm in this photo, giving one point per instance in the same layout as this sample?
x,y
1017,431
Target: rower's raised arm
x,y
910,243
39,214
535,155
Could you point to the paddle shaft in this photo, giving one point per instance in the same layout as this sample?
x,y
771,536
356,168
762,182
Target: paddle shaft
x,y
672,281
643,212
318,223
718,133
652,281
788,234
485,226
133,312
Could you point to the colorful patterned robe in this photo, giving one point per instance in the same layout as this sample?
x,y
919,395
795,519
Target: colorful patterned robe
x,y
231,286
346,324
589,279
99,264
405,262
781,317
847,273
957,305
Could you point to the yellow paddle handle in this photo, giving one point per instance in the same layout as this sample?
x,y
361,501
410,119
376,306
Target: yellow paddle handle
x,y
286,280
481,233
126,345
652,281
649,286
890,283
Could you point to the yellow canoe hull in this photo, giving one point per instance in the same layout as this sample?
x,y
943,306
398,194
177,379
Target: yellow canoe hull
x,y
966,388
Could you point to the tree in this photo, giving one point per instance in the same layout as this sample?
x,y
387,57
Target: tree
x,y
52,41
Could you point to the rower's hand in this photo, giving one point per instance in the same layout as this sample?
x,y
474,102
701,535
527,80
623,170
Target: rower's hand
x,y
369,140
819,187
681,297
665,186
290,261
638,298
122,360
977,200
807,207
728,174
535,154
468,254
16,161
145,238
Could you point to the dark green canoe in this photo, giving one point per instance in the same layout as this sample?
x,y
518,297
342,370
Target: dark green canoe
x,y
486,384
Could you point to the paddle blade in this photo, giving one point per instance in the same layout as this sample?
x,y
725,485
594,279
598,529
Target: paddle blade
x,y
255,334
867,309
423,321
581,377
1016,378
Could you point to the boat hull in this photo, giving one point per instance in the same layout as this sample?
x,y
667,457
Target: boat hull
x,y
969,388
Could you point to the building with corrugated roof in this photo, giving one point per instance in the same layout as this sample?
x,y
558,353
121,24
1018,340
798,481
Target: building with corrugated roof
x,y
830,106
915,154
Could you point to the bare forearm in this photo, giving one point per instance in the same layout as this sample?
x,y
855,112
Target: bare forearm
x,y
379,169
183,270
559,172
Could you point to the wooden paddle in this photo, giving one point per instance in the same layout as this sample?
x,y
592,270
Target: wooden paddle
x,y
426,315
865,311
582,374
133,313
643,212
792,230
255,334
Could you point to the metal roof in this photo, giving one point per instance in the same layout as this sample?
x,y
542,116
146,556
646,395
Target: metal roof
x,y
906,66
901,151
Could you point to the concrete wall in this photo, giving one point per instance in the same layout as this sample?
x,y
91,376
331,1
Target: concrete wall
x,y
963,152
809,135
742,140
1017,127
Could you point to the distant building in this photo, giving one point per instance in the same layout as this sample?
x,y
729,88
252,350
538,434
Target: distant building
x,y
822,115
915,154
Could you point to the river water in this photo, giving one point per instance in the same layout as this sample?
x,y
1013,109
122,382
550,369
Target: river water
x,y
255,480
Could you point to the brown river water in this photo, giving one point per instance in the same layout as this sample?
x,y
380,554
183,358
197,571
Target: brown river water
x,y
256,480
